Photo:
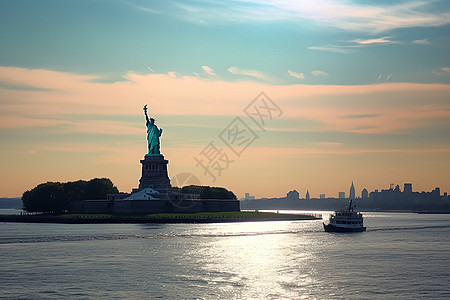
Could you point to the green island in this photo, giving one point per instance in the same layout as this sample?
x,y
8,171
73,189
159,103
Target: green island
x,y
52,202
201,217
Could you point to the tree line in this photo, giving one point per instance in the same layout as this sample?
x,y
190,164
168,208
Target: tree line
x,y
207,192
55,197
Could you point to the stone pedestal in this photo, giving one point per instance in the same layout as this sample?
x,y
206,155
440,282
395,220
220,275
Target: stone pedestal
x,y
154,173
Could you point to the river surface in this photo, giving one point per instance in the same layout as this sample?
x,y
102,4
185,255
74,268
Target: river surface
x,y
400,256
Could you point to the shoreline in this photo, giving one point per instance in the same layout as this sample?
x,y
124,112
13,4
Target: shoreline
x,y
167,218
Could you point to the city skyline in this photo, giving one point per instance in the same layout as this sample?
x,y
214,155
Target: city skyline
x,y
407,187
361,91
363,193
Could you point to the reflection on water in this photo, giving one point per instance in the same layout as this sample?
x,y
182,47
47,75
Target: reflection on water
x,y
399,257
8,211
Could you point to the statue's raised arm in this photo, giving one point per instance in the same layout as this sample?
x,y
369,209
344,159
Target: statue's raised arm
x,y
153,134
145,113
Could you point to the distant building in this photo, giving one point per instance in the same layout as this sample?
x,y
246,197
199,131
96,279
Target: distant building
x,y
322,196
341,195
292,195
352,192
364,194
437,192
249,197
394,199
307,195
407,188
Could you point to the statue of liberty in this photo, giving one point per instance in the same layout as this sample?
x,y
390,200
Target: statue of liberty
x,y
153,134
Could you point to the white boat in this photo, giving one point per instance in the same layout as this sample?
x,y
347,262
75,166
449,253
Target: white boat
x,y
345,221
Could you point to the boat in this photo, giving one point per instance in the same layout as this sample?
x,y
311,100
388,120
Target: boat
x,y
345,220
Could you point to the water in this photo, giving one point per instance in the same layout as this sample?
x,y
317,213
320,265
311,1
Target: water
x,y
401,256
10,211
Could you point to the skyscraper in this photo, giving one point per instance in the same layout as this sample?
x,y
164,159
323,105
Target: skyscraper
x,y
352,191
407,188
292,195
364,194
307,195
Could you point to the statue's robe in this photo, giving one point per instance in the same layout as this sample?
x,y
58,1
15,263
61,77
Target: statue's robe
x,y
153,134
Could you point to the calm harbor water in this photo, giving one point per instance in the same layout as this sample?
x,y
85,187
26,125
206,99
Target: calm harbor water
x,y
401,256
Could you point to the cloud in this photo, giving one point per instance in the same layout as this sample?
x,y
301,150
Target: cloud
x,y
379,77
335,49
422,42
361,116
296,75
251,73
58,113
319,73
382,40
142,8
172,74
42,79
393,107
208,70
442,72
356,43
348,15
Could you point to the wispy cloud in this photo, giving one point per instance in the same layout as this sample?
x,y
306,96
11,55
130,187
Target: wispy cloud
x,y
319,73
251,73
361,116
347,15
173,74
352,45
379,77
442,72
326,144
422,42
296,75
382,40
79,95
142,8
331,48
208,70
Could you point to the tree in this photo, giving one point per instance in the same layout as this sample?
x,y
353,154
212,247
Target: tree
x,y
98,188
55,197
46,197
207,192
75,190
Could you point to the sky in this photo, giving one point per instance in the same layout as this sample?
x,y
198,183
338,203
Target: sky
x,y
258,96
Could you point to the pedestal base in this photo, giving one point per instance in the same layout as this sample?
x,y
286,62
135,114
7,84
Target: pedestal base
x,y
154,173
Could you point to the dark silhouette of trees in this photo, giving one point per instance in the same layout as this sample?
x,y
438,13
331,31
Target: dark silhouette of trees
x,y
46,197
207,192
55,197
98,188
75,190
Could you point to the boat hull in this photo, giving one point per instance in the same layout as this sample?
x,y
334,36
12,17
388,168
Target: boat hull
x,y
332,228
